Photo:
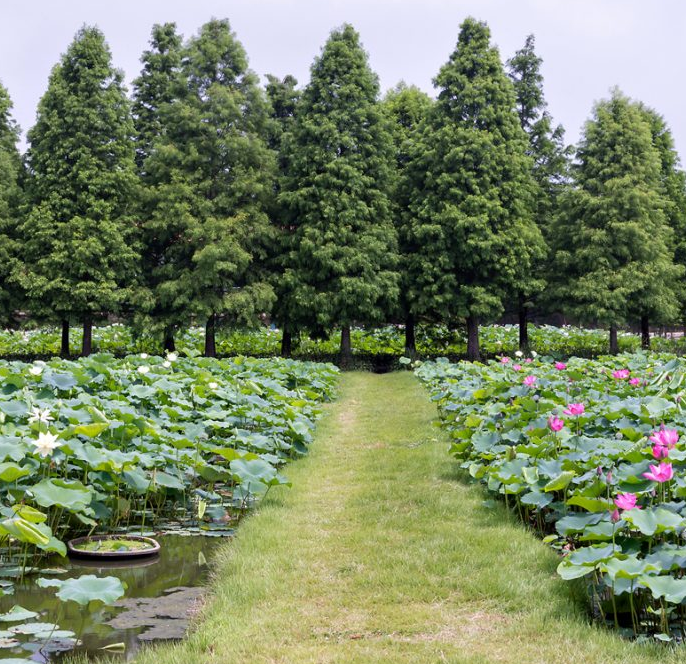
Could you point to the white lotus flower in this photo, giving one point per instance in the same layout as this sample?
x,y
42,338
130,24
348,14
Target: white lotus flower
x,y
143,369
212,386
172,357
46,443
534,354
38,415
518,353
36,371
144,356
166,364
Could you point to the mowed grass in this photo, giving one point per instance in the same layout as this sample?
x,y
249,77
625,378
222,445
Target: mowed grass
x,y
381,552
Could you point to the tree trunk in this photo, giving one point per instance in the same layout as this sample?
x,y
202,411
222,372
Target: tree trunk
x,y
346,347
473,339
645,333
169,343
87,345
64,347
410,341
614,346
286,343
523,325
210,340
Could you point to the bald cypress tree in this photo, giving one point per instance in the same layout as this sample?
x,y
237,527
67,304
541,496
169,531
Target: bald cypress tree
x,y
283,95
79,239
673,189
472,190
159,84
213,174
549,161
407,108
10,197
614,248
342,259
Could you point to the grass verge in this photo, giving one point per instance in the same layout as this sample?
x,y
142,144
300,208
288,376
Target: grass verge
x,y
381,553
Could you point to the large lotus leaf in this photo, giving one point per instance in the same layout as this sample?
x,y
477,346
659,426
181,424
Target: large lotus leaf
x,y
142,391
254,476
657,406
537,499
653,521
25,531
628,568
166,480
11,472
591,504
60,381
11,447
86,589
568,570
72,495
136,480
560,482
14,409
576,523
592,555
17,614
91,430
673,590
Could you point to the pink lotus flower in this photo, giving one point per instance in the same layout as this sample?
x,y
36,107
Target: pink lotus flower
x,y
666,437
626,501
517,367
528,360
555,423
529,381
635,381
662,473
614,516
660,452
560,366
504,360
665,440
575,409
621,374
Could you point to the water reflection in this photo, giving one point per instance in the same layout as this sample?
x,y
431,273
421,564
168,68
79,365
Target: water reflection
x,y
172,579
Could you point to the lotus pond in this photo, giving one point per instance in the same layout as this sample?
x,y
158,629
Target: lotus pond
x,y
170,445
592,456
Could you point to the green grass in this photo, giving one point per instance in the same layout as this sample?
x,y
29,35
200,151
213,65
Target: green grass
x,y
381,552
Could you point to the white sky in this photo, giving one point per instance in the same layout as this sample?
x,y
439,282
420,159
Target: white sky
x,y
587,46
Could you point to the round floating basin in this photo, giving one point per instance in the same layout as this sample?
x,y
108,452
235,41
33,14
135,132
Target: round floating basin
x,y
104,547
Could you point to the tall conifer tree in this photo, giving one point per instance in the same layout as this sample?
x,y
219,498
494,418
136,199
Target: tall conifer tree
x,y
158,85
614,253
213,173
673,185
10,196
283,96
80,259
341,267
470,211
408,108
549,164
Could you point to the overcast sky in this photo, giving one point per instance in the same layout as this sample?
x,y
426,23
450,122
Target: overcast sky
x,y
587,46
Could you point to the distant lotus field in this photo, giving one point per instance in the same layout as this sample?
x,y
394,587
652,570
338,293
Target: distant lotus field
x,y
591,454
432,341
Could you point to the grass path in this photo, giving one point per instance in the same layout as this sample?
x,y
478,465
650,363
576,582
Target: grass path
x,y
381,553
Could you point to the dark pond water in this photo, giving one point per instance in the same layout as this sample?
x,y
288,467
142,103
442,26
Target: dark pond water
x,y
162,594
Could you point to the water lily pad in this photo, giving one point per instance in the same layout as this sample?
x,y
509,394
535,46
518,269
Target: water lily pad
x,y
86,589
16,614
